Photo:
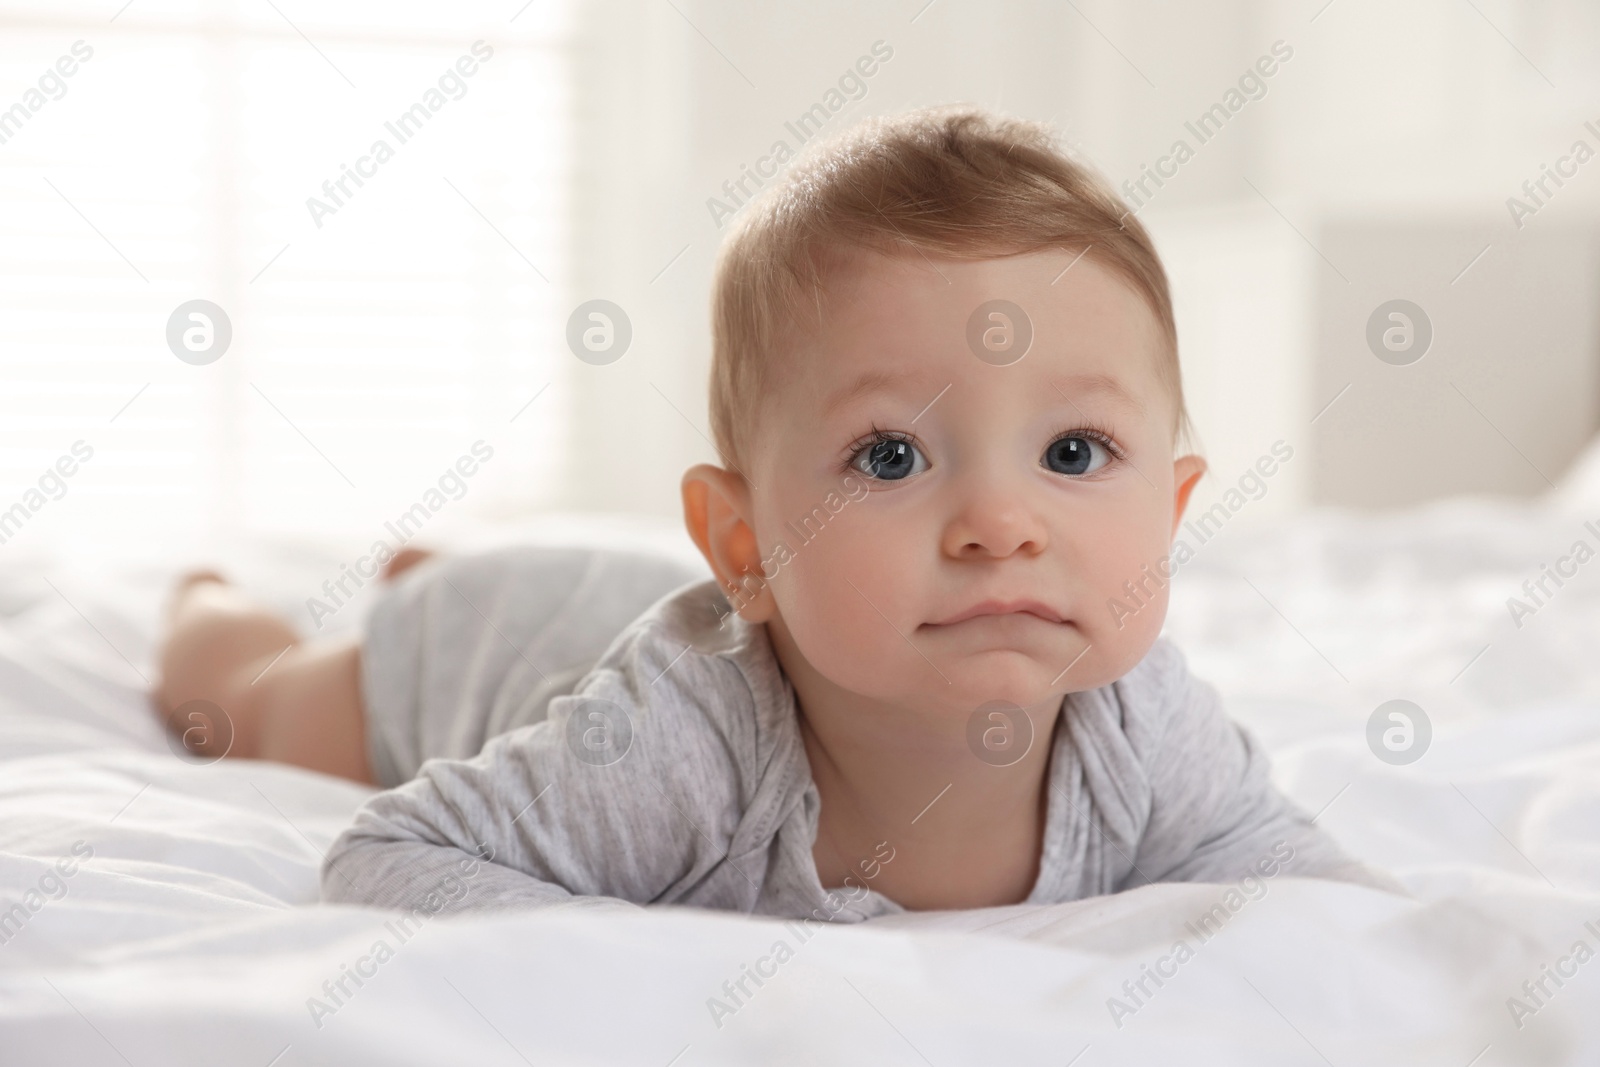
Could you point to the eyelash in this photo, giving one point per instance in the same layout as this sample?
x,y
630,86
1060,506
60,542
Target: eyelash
x,y
1105,436
1102,436
866,441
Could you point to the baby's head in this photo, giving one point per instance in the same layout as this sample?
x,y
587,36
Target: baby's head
x,y
945,389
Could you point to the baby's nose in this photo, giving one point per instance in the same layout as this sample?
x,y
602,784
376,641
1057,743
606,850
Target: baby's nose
x,y
995,523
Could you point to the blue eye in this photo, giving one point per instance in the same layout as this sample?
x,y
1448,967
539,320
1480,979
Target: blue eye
x,y
889,459
1076,455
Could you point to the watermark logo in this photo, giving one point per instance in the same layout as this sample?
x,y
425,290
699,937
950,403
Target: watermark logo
x,y
51,886
1137,992
51,86
1399,732
737,991
52,485
1538,991
1251,86
450,486
1562,570
199,332
1399,332
452,85
999,733
1145,589
806,529
599,732
599,332
999,332
850,87
1537,192
450,890
199,732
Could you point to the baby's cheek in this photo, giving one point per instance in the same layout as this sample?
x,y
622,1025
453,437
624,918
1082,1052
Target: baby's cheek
x,y
831,596
1128,602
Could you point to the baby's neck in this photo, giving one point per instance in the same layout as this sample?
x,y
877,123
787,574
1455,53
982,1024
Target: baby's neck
x,y
908,809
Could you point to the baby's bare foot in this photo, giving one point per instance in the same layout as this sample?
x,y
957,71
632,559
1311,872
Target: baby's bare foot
x,y
404,560
217,642
176,600
183,589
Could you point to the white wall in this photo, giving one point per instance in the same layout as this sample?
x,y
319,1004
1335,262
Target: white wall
x,y
1385,113
374,350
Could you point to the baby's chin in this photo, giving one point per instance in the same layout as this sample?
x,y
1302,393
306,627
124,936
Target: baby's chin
x,y
1028,677
1020,678
962,685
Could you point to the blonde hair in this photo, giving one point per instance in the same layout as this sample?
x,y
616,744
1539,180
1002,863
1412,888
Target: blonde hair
x,y
952,182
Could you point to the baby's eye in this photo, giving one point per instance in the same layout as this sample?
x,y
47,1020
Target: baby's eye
x,y
1076,455
889,459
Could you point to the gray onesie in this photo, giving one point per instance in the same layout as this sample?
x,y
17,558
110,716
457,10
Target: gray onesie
x,y
675,772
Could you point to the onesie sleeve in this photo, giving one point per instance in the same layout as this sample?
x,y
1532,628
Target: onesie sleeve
x,y
626,794
1215,815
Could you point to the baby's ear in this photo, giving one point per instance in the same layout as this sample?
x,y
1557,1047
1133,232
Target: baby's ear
x,y
1186,472
716,509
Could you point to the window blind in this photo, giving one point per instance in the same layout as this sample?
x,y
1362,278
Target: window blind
x,y
389,307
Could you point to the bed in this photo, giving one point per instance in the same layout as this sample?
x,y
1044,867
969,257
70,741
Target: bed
x,y
168,909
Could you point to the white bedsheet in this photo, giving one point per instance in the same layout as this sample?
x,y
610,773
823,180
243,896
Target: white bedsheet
x,y
188,936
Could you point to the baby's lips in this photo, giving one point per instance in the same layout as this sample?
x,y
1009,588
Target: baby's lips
x,y
1003,607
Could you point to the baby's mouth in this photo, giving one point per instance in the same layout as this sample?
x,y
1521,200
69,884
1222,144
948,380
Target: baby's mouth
x,y
1002,608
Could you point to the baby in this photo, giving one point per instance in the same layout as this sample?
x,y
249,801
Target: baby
x,y
946,396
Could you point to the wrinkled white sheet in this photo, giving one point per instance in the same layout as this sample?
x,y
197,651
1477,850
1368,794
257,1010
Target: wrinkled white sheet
x,y
188,936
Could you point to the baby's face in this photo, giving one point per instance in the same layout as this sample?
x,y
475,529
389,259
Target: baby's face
x,y
956,528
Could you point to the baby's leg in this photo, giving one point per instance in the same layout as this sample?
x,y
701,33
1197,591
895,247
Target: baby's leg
x,y
289,700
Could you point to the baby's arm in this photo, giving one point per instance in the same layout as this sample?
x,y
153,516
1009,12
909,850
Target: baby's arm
x,y
554,827
1215,814
415,840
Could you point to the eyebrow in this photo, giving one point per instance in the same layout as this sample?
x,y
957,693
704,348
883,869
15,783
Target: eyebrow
x,y
1066,388
1102,384
872,381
